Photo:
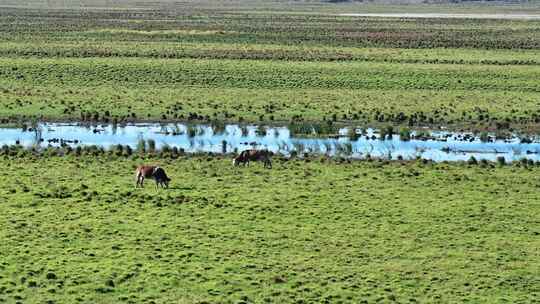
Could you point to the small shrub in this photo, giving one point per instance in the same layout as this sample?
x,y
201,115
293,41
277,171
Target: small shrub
x,y
484,137
166,150
118,150
405,134
484,163
388,131
353,134
151,145
244,131
128,150
68,150
526,140
141,146
260,131
192,131
223,146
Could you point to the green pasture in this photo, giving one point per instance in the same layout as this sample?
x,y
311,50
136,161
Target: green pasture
x,y
202,50
478,95
134,72
261,63
218,26
75,230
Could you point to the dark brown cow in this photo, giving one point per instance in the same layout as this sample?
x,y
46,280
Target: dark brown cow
x,y
155,172
253,155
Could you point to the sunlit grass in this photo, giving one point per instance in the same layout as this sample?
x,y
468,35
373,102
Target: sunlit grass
x,y
76,230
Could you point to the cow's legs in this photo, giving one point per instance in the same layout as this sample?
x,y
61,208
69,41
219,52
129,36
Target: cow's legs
x,y
137,176
141,181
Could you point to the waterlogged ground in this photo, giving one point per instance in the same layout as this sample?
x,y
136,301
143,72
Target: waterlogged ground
x,y
260,62
74,230
331,140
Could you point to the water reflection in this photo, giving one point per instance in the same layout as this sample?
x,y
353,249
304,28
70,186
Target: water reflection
x,y
434,145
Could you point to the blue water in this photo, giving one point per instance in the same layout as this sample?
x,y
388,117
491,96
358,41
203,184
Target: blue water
x,y
204,138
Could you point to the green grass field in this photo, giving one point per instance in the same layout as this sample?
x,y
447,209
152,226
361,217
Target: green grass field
x,y
74,229
256,90
242,62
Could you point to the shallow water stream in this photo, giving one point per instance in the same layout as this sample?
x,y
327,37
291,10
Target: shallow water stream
x,y
433,145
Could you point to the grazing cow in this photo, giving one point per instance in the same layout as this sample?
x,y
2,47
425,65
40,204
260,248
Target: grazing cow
x,y
253,155
155,172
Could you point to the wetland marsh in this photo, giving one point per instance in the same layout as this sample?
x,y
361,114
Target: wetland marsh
x,y
437,201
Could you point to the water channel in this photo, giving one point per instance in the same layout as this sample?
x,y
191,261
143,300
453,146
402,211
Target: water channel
x,y
434,145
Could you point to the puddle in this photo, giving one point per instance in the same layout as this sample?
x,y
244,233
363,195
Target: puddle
x,y
434,145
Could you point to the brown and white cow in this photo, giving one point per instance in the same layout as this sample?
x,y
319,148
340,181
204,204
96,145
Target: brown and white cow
x,y
154,172
253,155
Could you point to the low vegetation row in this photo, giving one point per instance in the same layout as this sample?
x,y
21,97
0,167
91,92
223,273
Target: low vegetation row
x,y
147,150
179,50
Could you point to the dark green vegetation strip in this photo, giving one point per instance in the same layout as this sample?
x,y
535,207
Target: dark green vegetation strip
x,y
201,50
268,75
76,230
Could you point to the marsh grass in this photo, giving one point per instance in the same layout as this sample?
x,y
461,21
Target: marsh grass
x,y
134,242
218,127
484,137
141,146
387,70
312,128
386,132
75,230
353,134
151,145
193,131
260,131
405,134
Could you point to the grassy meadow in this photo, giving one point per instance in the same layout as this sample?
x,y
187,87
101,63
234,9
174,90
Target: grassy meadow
x,y
257,63
75,230
251,90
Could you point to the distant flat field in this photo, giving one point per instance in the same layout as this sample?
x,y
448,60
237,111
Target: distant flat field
x,y
282,6
249,62
443,15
